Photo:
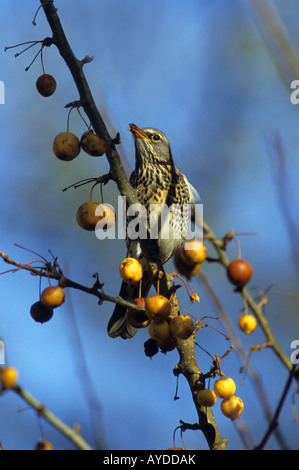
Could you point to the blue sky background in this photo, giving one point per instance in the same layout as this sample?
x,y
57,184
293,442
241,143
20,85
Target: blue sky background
x,y
204,75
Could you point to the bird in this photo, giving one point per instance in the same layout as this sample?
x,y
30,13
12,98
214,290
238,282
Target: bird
x,y
159,182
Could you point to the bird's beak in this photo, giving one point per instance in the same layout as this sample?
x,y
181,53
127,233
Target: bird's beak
x,y
137,132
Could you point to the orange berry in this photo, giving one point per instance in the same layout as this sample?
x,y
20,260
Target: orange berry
x,y
224,387
130,270
66,146
239,272
181,326
8,376
206,397
52,296
193,252
232,407
46,85
44,445
247,323
92,144
157,308
40,313
137,318
183,268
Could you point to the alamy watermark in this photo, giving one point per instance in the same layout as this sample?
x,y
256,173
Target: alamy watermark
x,y
295,354
135,222
295,94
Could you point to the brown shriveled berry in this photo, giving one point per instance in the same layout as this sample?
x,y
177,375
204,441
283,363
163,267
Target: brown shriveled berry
x,y
92,144
46,85
86,216
40,313
66,146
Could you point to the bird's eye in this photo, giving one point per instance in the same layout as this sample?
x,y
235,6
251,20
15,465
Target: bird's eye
x,y
156,137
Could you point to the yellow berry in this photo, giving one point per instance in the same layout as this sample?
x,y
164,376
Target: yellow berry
x,y
181,326
130,270
247,323
157,308
194,251
52,297
206,397
224,387
159,330
66,146
8,376
232,407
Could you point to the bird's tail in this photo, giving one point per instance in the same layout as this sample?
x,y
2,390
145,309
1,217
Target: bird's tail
x,y
118,324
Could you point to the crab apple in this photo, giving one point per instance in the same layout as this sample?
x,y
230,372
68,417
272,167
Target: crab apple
x,y
86,216
206,397
181,326
166,344
157,308
46,85
92,144
43,445
193,252
224,387
8,376
232,407
239,272
130,270
40,313
52,296
159,330
138,318
183,268
66,146
247,323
